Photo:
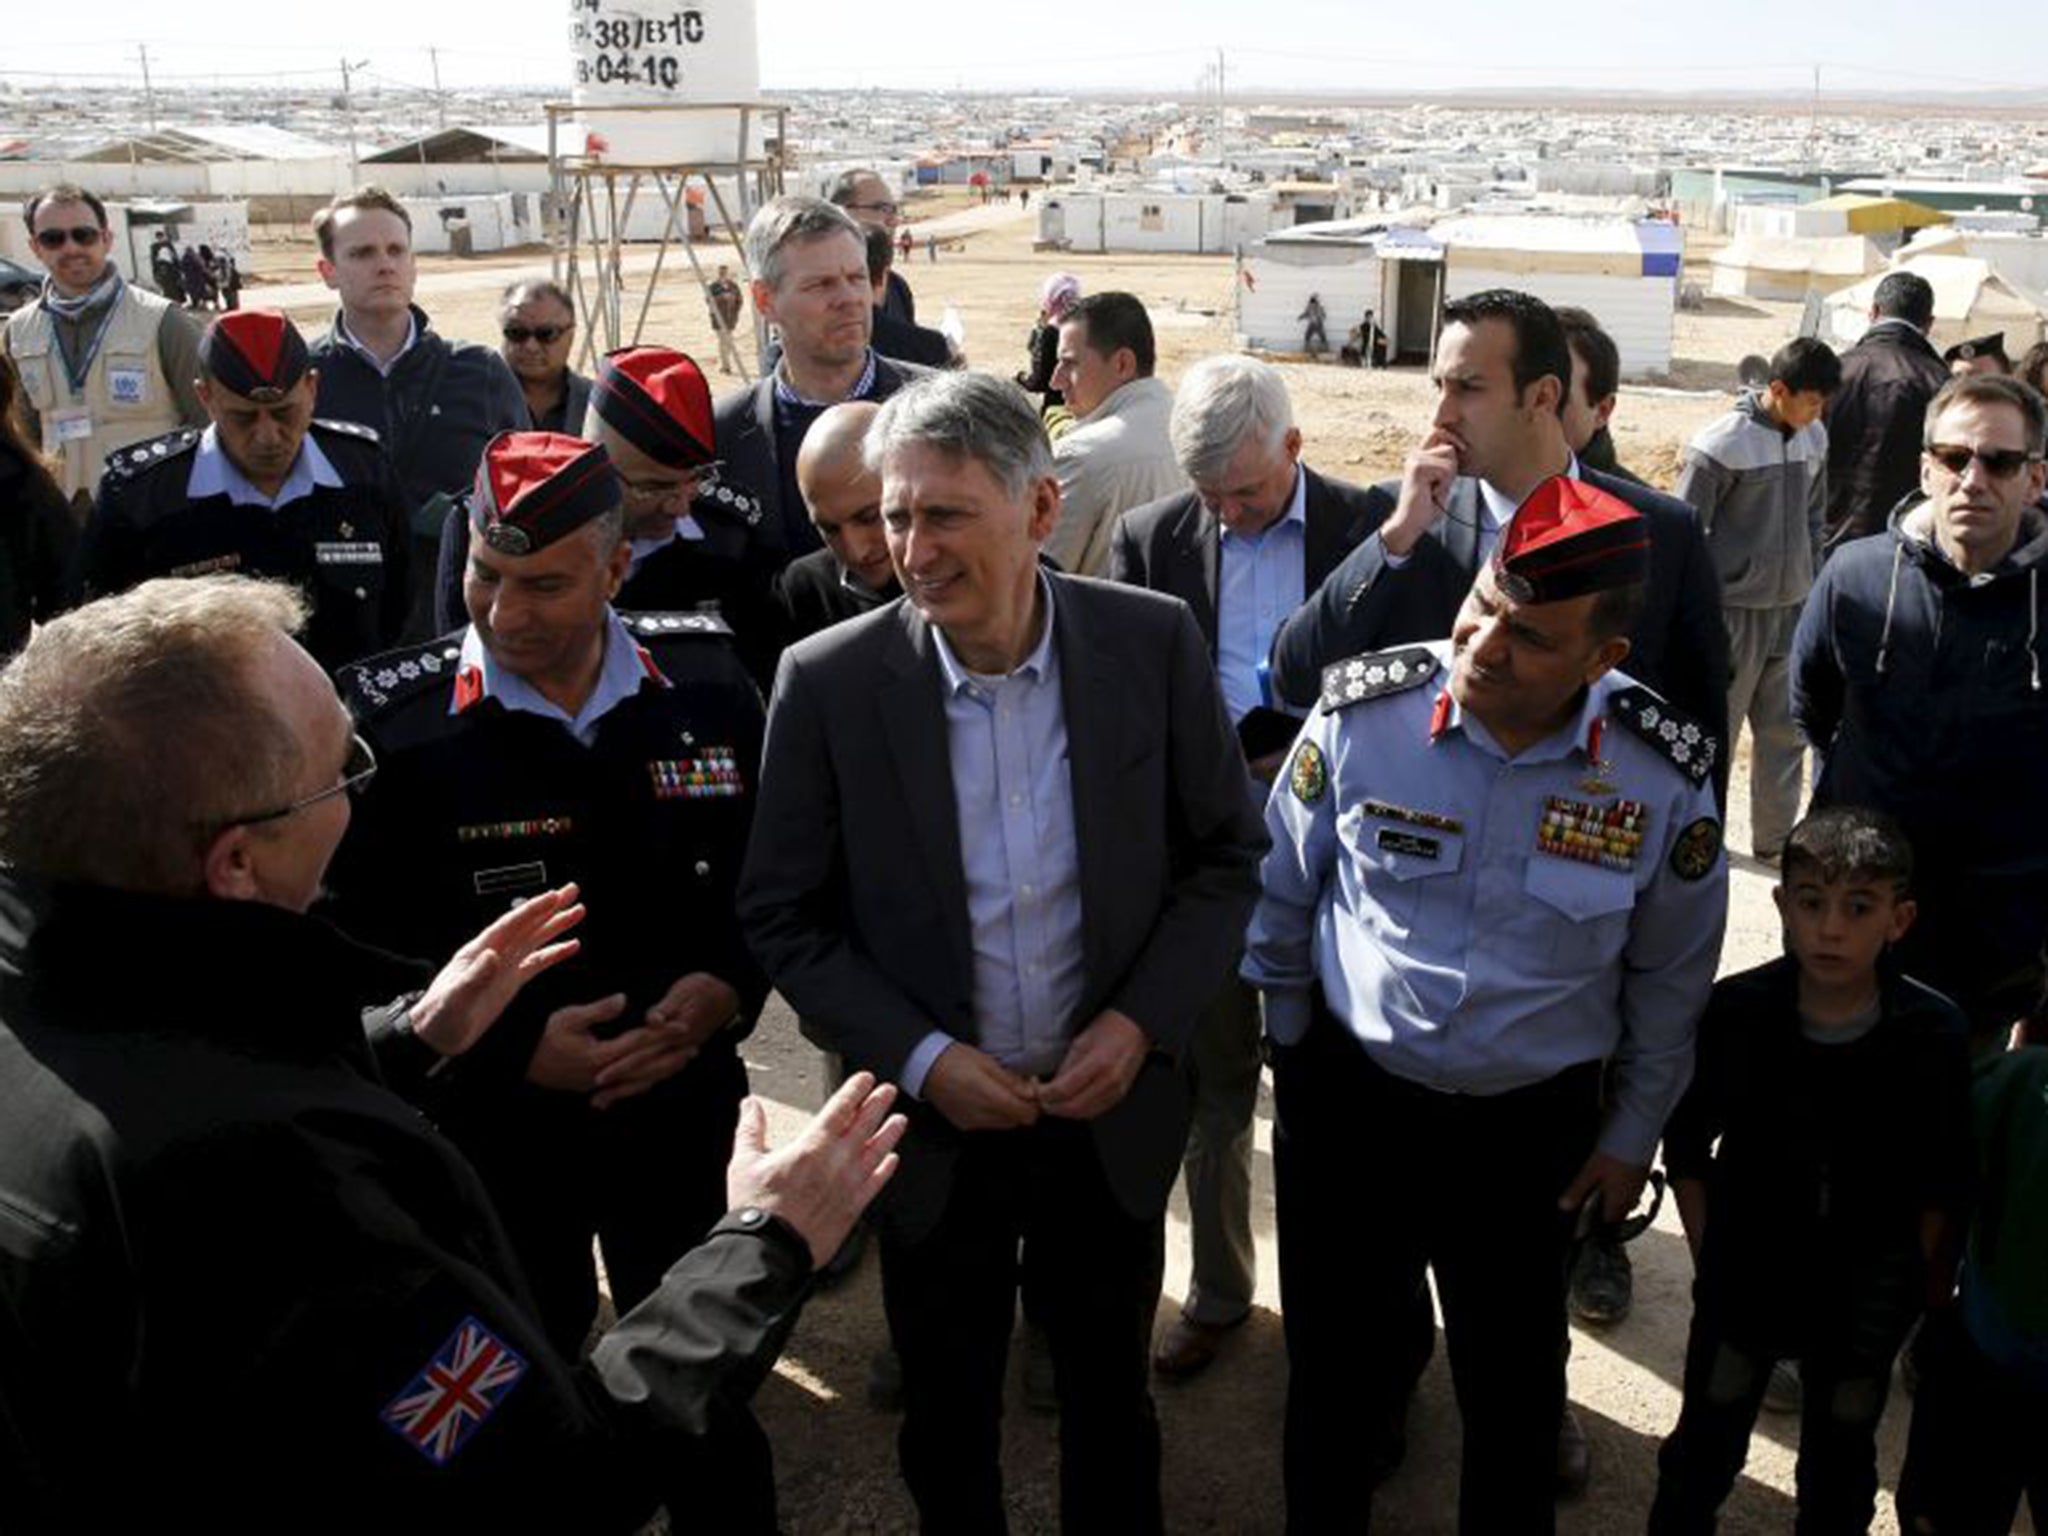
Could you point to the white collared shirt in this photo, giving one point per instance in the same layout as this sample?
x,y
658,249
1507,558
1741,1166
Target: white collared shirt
x,y
412,335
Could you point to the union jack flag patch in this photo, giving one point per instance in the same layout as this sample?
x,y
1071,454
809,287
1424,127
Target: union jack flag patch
x,y
469,1376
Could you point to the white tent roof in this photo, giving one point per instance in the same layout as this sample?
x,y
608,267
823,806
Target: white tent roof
x,y
1970,299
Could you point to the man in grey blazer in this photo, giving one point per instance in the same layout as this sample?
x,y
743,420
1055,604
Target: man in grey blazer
x,y
1257,533
1003,856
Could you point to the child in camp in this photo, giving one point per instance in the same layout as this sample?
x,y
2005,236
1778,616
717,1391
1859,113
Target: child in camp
x,y
1828,1217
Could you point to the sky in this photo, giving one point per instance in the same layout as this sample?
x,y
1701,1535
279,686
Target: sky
x,y
1877,46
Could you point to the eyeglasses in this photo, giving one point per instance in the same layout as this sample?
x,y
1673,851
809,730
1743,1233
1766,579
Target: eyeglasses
x,y
77,234
698,482
886,210
357,769
546,335
1999,463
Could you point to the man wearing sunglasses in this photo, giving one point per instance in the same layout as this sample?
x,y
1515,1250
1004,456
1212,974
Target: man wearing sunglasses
x,y
867,197
275,1292
103,363
537,319
554,739
1920,676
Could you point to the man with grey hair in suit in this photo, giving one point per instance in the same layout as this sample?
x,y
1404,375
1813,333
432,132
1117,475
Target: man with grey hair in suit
x,y
1003,856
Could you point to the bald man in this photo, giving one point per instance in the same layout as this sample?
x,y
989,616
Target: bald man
x,y
852,573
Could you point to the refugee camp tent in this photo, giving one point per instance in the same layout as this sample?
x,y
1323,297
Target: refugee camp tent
x,y
1970,299
1790,267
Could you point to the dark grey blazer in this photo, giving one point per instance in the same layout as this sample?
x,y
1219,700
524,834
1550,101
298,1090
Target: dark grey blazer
x,y
854,895
1170,545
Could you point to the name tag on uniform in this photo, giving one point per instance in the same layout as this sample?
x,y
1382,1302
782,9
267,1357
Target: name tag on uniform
x,y
1411,843
70,426
353,553
127,386
510,879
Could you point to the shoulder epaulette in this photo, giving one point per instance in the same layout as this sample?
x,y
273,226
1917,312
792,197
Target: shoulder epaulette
x,y
666,626
730,501
379,683
124,463
348,429
1690,746
1376,675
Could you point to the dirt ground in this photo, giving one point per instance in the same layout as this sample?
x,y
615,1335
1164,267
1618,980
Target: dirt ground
x,y
835,1454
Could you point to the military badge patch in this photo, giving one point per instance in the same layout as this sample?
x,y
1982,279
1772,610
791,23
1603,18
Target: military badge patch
x,y
712,773
463,1385
1693,855
1309,778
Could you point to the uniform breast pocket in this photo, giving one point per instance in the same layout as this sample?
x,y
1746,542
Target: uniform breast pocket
x,y
1404,867
1583,908
348,570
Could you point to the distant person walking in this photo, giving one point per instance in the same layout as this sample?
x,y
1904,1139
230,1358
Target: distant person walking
x,y
227,277
1315,340
931,248
727,305
198,279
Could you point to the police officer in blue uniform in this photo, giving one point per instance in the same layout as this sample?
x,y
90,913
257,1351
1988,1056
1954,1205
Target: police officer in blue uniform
x,y
555,739
265,490
1496,863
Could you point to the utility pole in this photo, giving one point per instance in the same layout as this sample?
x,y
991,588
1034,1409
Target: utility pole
x,y
1813,124
440,101
148,90
348,112
1219,105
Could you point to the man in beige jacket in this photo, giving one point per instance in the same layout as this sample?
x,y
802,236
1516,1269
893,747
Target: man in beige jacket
x,y
1118,454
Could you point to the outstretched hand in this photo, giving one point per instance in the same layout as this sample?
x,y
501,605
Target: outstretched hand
x,y
822,1181
475,987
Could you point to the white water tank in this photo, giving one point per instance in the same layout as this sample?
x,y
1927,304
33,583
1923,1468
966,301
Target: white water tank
x,y
689,53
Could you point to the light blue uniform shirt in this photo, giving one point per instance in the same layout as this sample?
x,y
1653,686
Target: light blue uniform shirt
x,y
1412,889
624,670
1258,584
1007,740
214,474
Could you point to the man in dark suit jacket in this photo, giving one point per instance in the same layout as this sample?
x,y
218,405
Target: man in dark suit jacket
x,y
1258,532
1496,436
1003,856
811,283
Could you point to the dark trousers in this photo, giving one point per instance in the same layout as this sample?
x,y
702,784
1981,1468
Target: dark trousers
x,y
1979,1441
1376,1179
646,1178
1845,1369
951,1297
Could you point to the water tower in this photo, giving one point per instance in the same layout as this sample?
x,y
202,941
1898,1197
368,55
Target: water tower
x,y
665,136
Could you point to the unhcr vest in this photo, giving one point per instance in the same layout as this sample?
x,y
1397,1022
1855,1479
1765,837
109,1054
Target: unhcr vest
x,y
126,395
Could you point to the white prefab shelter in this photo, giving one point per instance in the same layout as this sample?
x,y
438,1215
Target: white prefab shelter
x,y
474,223
284,174
2020,257
1190,223
1351,265
1970,299
1623,271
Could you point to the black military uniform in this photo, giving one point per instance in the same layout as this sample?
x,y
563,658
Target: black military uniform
x,y
476,805
345,548
231,1259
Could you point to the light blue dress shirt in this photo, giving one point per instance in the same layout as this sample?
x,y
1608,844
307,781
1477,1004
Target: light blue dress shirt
x,y
1258,584
1412,889
1007,741
624,671
214,474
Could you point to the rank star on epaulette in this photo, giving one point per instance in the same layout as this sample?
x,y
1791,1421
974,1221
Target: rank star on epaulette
x,y
1689,746
1370,677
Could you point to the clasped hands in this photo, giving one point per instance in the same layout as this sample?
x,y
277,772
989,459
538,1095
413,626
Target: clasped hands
x,y
978,1093
572,1058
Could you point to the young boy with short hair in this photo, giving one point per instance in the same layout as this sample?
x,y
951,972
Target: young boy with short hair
x,y
1758,478
1827,1217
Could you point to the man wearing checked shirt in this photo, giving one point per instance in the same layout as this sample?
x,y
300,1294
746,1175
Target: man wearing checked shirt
x,y
1496,864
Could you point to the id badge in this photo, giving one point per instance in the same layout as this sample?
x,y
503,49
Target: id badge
x,y
127,386
72,425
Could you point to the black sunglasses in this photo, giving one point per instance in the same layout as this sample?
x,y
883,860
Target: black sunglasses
x,y
546,335
1999,463
77,234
